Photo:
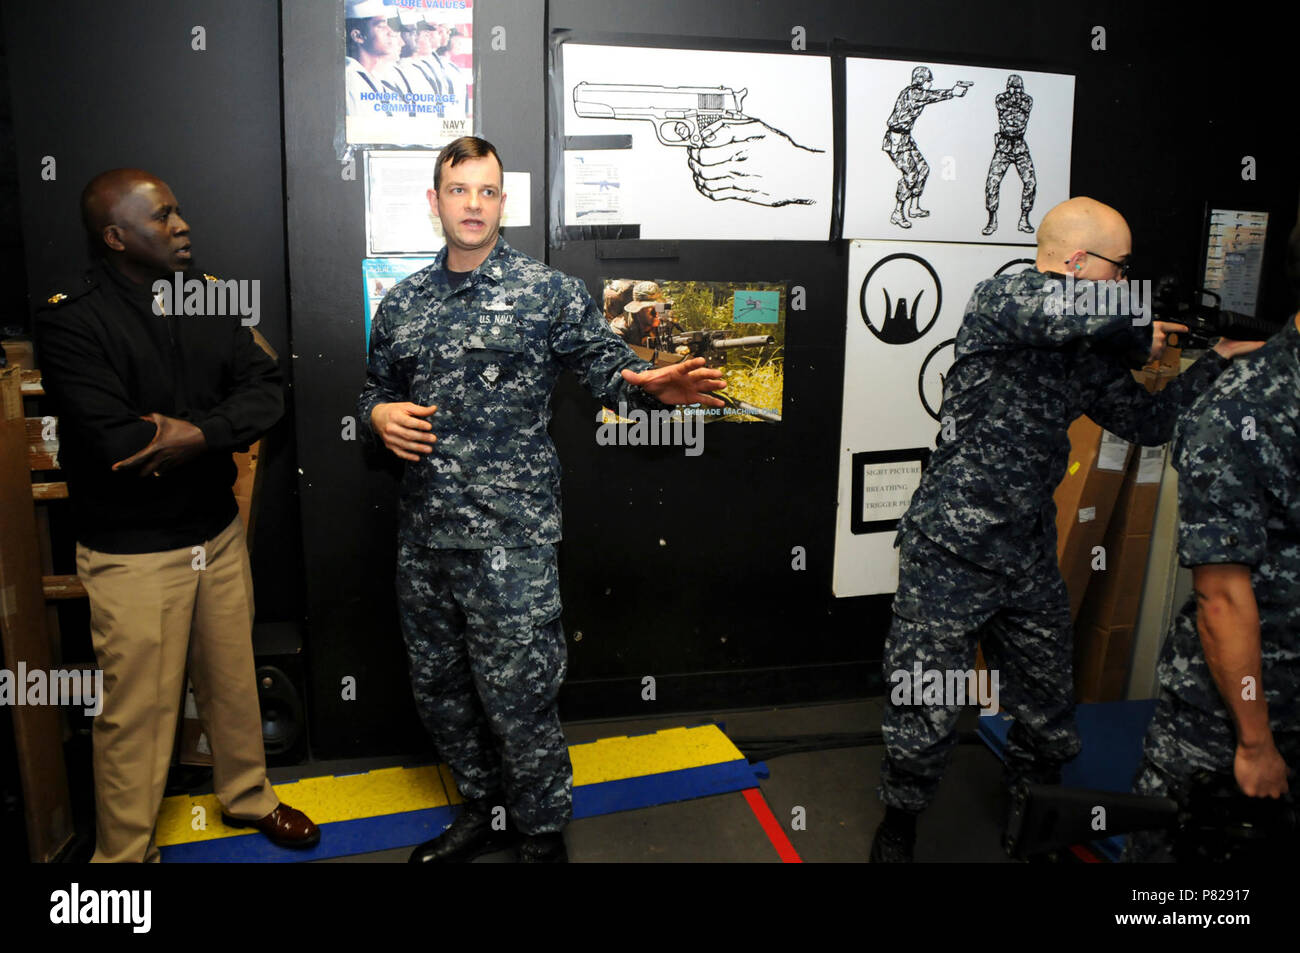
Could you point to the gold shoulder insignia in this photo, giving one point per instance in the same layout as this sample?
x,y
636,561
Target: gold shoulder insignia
x,y
209,277
56,298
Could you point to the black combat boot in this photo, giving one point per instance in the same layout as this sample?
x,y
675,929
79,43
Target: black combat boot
x,y
470,835
895,838
543,849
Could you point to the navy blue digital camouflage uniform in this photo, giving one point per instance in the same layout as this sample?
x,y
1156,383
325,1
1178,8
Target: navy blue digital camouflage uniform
x,y
1238,458
977,546
479,517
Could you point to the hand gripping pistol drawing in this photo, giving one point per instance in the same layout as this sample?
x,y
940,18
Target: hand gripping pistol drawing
x,y
681,115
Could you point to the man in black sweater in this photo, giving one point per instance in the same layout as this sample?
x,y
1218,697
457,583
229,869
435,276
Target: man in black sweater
x,y
151,405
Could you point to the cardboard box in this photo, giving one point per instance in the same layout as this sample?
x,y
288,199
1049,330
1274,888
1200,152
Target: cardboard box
x,y
1107,620
245,481
1103,638
1085,500
1101,663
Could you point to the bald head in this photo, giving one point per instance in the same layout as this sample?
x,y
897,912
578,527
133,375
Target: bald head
x,y
1077,227
133,219
103,195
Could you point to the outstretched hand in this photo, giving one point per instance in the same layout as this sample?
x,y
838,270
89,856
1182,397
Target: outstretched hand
x,y
686,382
751,161
176,442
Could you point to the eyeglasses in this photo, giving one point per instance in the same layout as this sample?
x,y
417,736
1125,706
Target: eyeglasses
x,y
1124,266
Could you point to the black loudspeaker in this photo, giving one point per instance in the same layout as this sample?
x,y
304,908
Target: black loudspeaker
x,y
282,692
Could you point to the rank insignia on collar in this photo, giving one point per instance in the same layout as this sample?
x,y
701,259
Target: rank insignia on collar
x,y
56,298
490,373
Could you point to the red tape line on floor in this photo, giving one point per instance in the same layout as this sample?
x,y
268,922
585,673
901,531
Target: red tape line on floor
x,y
1085,855
774,831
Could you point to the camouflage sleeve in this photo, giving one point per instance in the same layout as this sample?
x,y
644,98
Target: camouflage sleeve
x,y
583,342
1129,410
1220,456
1039,317
384,385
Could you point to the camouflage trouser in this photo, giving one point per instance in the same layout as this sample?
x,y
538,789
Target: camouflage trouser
x,y
902,149
943,607
483,633
1006,151
1183,741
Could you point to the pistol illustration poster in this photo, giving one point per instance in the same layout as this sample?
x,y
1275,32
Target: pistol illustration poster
x,y
697,143
905,305
739,328
937,152
408,71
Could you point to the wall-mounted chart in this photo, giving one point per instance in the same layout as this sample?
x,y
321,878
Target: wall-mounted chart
x,y
702,145
904,309
937,152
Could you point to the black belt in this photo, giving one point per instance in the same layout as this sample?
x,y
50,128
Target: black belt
x,y
904,132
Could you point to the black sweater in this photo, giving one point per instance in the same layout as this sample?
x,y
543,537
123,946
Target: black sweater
x,y
107,360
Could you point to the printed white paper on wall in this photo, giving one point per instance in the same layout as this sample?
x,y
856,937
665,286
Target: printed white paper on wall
x,y
724,145
937,152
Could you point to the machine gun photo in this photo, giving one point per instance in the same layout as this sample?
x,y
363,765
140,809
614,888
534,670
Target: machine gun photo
x,y
713,344
1217,823
1205,322
680,114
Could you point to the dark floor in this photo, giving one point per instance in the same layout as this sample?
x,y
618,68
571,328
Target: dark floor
x,y
835,788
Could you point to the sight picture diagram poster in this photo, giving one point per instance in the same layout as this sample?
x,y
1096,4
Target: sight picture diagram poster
x,y
408,71
938,152
904,308
698,144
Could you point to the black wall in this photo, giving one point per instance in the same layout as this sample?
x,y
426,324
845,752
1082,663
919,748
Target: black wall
x,y
1163,118
97,86
676,567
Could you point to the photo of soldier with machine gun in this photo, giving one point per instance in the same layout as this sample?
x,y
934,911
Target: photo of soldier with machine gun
x,y
670,321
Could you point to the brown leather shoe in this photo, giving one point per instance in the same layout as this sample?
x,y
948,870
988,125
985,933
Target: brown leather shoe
x,y
284,826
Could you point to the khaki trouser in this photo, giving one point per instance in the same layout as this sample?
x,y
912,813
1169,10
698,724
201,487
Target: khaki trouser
x,y
148,612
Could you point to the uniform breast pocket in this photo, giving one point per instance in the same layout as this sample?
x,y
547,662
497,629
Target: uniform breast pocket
x,y
506,350
494,356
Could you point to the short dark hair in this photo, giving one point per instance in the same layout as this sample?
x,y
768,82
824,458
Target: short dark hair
x,y
354,23
458,150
